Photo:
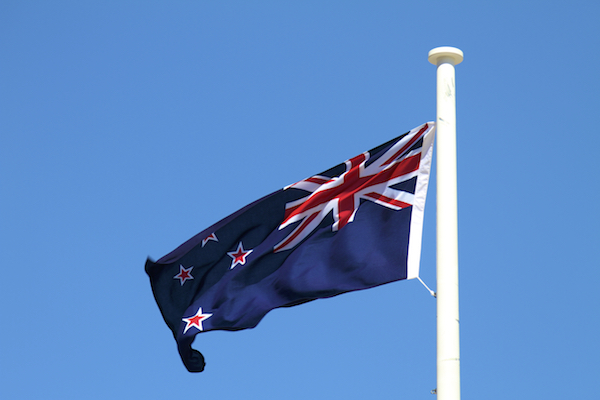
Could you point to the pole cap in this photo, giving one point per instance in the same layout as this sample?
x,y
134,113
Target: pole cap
x,y
444,54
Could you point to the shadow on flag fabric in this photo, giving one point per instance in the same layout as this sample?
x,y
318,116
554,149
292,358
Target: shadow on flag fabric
x,y
354,226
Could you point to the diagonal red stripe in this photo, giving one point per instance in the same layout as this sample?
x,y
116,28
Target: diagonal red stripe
x,y
299,230
407,145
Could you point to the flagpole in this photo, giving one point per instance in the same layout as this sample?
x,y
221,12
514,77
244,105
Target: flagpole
x,y
448,343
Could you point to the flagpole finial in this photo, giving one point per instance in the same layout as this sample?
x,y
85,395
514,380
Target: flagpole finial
x,y
445,54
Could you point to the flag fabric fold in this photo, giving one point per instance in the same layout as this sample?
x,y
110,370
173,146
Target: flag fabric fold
x,y
355,226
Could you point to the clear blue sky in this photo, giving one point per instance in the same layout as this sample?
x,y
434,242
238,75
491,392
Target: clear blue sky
x,y
128,126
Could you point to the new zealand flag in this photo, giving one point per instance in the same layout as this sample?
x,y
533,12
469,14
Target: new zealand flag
x,y
355,226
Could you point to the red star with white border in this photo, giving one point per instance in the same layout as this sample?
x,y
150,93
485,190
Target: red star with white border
x,y
238,256
195,320
212,236
184,274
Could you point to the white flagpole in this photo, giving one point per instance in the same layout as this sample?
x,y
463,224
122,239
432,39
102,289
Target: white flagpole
x,y
448,344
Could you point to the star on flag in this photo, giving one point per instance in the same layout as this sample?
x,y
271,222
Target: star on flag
x,y
212,236
195,320
184,274
238,256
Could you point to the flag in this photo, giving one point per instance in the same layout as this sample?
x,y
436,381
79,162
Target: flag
x,y
355,226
